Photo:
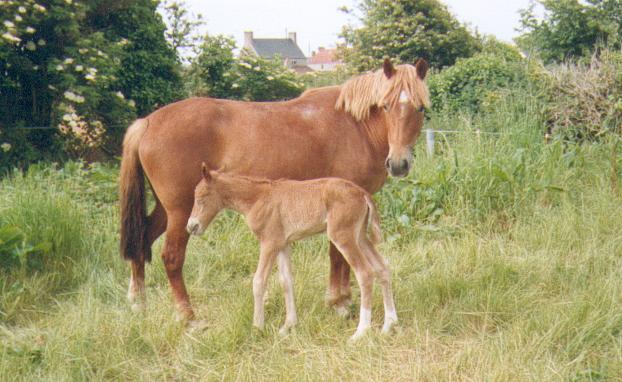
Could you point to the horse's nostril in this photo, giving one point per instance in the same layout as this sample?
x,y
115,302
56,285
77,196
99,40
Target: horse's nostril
x,y
404,164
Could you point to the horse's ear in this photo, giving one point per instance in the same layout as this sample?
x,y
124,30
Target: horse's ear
x,y
388,68
206,173
422,68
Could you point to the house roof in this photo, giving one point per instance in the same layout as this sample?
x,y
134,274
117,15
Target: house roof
x,y
324,56
269,47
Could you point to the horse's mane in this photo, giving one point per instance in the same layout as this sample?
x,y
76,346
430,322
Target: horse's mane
x,y
359,94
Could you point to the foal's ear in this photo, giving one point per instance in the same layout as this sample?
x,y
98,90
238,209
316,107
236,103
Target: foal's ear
x,y
205,170
388,68
422,68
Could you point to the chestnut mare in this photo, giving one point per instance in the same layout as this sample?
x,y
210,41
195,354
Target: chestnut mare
x,y
355,131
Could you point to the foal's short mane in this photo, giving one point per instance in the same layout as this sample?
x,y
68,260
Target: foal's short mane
x,y
359,94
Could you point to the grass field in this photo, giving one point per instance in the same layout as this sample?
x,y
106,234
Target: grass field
x,y
506,256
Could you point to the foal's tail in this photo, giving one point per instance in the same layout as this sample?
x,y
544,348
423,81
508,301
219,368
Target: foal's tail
x,y
373,221
134,245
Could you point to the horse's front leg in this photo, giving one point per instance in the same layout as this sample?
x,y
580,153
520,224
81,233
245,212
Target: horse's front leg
x,y
339,294
286,279
267,256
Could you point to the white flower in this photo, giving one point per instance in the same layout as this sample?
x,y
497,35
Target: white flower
x,y
120,95
39,8
68,1
246,65
31,46
89,77
67,117
69,95
131,103
92,71
18,18
60,68
6,146
123,42
83,50
41,42
79,68
30,30
9,37
257,68
21,10
269,78
9,24
79,99
68,61
235,86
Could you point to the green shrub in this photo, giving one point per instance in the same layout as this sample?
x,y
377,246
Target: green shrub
x,y
474,81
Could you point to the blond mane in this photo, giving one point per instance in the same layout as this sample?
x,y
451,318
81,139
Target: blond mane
x,y
359,94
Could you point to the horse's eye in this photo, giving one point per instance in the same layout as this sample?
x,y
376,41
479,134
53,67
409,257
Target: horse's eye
x,y
421,109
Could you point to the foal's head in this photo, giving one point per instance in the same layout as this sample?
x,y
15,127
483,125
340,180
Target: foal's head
x,y
404,104
207,203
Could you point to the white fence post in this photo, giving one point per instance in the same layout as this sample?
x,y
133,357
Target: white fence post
x,y
429,140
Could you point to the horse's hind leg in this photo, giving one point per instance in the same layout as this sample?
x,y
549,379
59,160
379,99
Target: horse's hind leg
x,y
173,256
339,294
156,224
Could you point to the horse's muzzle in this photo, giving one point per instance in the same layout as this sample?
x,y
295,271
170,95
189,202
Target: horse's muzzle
x,y
398,168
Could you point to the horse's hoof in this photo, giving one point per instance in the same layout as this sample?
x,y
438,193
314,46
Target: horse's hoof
x,y
138,307
285,330
342,311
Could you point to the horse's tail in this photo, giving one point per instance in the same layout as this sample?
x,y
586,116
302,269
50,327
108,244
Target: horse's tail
x,y
134,244
373,221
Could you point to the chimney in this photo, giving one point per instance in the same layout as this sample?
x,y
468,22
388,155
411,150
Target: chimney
x,y
248,38
292,36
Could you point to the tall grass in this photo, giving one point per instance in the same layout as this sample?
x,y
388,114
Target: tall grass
x,y
505,254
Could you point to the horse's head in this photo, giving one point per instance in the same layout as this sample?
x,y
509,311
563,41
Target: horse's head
x,y
404,103
207,203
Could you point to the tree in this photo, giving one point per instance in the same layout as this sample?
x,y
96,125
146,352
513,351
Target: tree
x,y
215,72
570,28
406,30
182,26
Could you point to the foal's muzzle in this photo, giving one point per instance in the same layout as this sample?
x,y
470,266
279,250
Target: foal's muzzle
x,y
398,168
194,226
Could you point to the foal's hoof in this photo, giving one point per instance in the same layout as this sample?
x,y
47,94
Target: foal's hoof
x,y
357,336
286,329
197,325
342,311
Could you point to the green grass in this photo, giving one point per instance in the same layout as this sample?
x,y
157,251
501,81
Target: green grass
x,y
506,258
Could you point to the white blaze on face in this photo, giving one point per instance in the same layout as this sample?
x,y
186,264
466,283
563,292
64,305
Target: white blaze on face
x,y
404,97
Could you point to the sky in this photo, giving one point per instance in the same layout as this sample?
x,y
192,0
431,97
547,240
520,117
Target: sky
x,y
318,22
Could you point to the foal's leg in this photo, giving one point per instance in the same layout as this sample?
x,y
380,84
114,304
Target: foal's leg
x,y
173,256
383,274
286,278
339,294
363,271
267,255
156,224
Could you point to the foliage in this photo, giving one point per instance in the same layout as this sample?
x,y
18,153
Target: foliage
x,y
478,81
326,78
571,28
181,32
85,67
406,30
215,72
584,101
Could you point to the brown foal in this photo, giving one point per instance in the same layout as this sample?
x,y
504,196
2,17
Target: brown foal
x,y
283,211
